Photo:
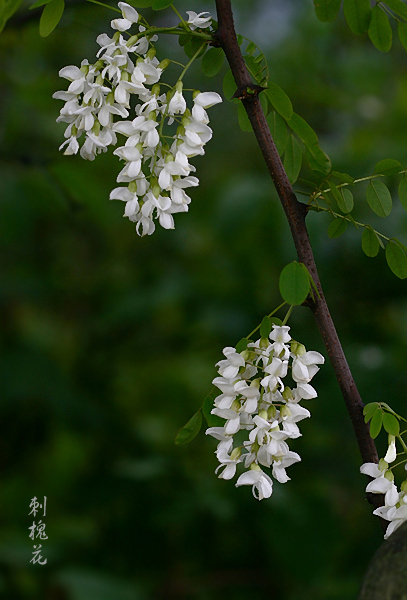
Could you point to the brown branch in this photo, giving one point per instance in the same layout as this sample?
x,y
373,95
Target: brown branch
x,y
295,211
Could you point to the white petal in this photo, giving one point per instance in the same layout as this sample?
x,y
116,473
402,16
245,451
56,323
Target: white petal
x,y
207,99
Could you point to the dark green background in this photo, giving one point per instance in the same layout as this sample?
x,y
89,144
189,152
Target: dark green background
x,y
108,341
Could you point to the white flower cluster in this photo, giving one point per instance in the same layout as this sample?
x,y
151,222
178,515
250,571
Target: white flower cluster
x,y
395,501
254,398
156,173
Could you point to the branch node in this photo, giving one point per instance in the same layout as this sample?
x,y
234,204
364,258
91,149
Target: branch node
x,y
246,92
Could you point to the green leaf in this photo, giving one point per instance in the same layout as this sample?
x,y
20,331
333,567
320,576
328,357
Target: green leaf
x,y
369,410
398,7
343,197
161,4
396,259
303,130
292,159
370,243
276,321
380,29
403,192
39,3
347,197
184,38
51,16
280,100
357,15
278,130
212,61
7,9
402,31
242,345
379,198
265,327
388,166
229,85
294,283
337,228
187,433
193,46
343,177
327,10
251,48
391,424
376,423
244,122
317,159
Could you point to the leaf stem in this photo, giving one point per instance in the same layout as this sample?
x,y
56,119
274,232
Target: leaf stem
x,y
105,5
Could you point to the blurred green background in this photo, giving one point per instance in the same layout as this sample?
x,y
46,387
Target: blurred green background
x,y
108,341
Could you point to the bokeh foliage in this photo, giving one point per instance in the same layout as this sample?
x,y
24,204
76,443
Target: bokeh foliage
x,y
109,341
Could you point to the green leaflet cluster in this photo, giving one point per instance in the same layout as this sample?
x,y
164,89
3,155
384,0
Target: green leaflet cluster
x,y
296,141
334,195
364,18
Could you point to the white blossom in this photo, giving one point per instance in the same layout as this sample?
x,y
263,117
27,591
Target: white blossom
x,y
124,83
395,500
198,20
256,398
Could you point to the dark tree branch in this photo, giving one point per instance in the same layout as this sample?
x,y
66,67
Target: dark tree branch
x,y
295,211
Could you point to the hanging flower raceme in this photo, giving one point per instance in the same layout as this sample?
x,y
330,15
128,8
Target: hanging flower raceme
x,y
261,409
395,499
120,94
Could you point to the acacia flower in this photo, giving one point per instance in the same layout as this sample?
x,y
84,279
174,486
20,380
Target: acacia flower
x,y
198,20
255,398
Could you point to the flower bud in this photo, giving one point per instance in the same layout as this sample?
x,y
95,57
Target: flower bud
x,y
285,412
245,354
195,93
155,90
125,76
99,80
99,64
403,486
263,414
156,190
132,187
164,64
236,452
96,127
383,465
254,467
297,348
264,343
271,412
110,98
254,448
389,475
132,40
287,394
255,383
235,405
152,116
179,86
151,53
85,69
